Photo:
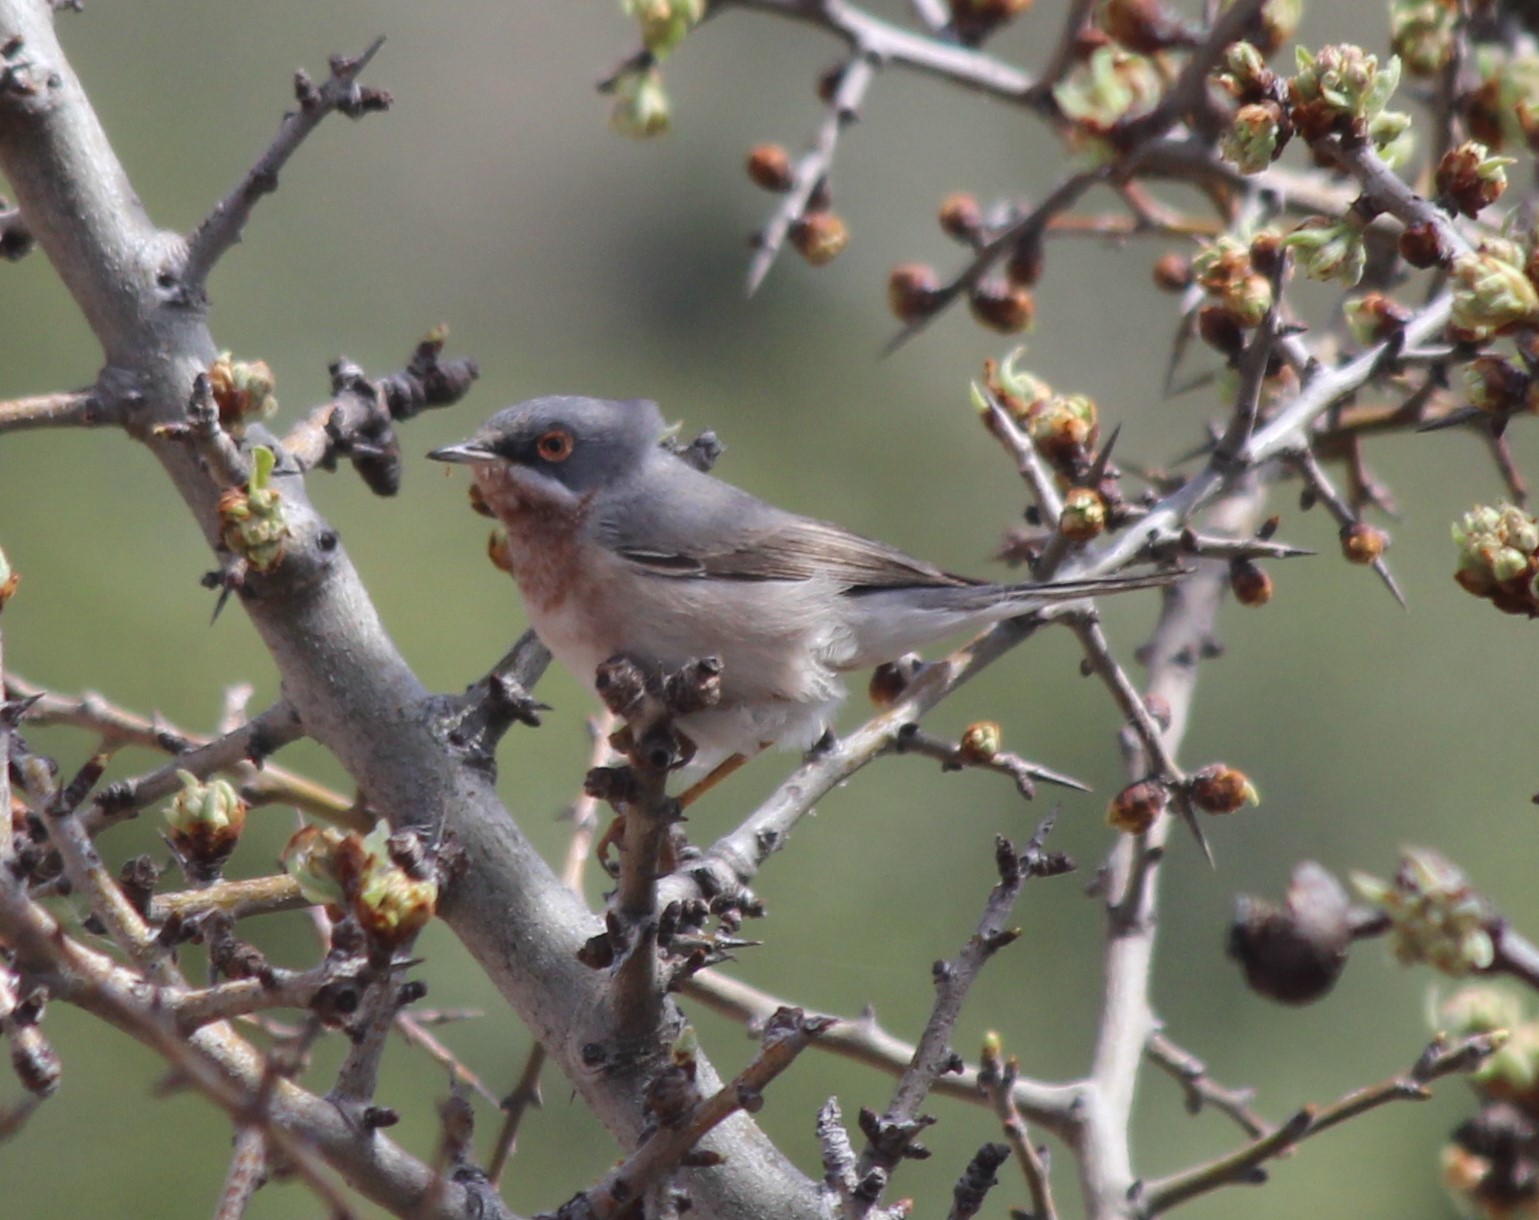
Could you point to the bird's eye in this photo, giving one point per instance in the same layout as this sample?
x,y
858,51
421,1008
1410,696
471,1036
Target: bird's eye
x,y
555,445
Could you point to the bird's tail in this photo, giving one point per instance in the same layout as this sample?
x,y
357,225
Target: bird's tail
x,y
1094,586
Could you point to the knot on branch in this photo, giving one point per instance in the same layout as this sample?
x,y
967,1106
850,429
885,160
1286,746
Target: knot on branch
x,y
648,701
892,1140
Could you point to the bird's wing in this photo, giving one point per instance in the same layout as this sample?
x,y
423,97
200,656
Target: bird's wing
x,y
703,528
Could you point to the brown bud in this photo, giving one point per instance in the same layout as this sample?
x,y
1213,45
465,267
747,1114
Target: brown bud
x,y
890,679
497,551
1376,318
1250,583
1006,308
1294,953
478,502
1220,331
1134,809
961,217
819,237
974,19
913,292
1024,266
1266,251
769,166
980,742
1140,25
1363,543
1084,514
1422,245
1218,788
1464,184
1173,273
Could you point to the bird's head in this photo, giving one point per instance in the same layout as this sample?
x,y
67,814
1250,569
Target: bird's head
x,y
555,451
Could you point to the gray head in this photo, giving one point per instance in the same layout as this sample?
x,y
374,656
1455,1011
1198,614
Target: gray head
x,y
579,443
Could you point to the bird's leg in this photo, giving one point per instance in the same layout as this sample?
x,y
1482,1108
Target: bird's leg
x,y
718,773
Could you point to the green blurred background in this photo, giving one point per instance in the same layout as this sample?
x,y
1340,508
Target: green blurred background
x,y
565,258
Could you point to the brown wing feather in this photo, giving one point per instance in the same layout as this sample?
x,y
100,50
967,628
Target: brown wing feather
x,y
801,549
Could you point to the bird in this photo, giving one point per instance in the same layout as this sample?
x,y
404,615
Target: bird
x,y
621,546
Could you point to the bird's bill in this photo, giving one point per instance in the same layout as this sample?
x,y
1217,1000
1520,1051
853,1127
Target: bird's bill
x,y
465,452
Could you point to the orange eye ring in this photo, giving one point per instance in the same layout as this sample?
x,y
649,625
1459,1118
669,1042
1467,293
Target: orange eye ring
x,y
555,445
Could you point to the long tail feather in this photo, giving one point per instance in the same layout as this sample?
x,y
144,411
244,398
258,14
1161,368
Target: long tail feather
x,y
1068,590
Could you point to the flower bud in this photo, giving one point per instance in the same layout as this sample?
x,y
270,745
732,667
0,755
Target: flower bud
x,y
641,108
819,237
980,742
311,859
1249,582
1256,136
1024,266
1219,788
1111,85
769,167
1421,33
1135,808
1083,516
9,579
1279,20
1172,273
1220,331
1006,307
254,521
1437,918
1491,291
242,390
1496,386
1470,179
205,821
1063,429
664,23
498,550
961,217
1363,543
1329,250
1021,392
913,292
1340,90
892,678
1374,318
1244,74
1423,245
1497,546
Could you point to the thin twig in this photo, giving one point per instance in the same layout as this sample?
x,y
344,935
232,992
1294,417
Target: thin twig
x,y
71,409
892,1135
1464,1056
222,228
813,169
786,1035
1201,1089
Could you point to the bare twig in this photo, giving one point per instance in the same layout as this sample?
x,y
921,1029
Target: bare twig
x,y
862,1040
222,228
1201,1089
269,786
73,409
891,1137
953,757
811,174
785,1036
1439,1059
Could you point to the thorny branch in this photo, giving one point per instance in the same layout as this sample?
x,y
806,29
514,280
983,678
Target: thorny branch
x,y
222,228
1239,1167
1274,424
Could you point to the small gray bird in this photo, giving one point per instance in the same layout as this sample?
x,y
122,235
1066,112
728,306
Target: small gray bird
x,y
619,545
